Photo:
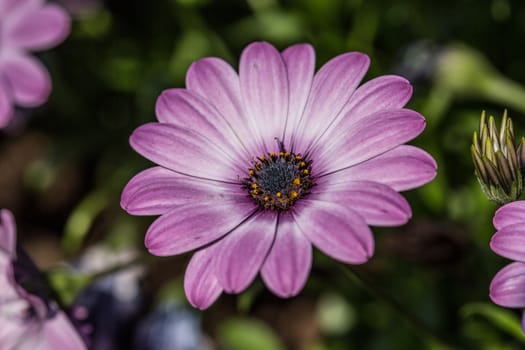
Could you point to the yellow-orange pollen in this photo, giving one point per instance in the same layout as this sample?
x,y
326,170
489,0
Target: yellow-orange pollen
x,y
277,180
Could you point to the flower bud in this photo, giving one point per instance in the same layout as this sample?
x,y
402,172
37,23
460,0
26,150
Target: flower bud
x,y
498,161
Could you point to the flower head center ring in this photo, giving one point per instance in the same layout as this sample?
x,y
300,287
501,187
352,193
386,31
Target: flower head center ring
x,y
278,180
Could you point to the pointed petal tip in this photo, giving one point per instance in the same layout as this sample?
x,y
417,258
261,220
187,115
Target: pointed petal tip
x,y
201,286
126,198
349,59
402,84
130,205
260,43
153,250
494,297
135,136
200,305
358,58
405,218
156,249
286,293
236,289
367,255
153,243
298,49
419,123
124,202
200,302
257,47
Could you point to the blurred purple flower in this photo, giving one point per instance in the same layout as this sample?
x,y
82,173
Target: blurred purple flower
x,y
26,25
27,320
508,286
256,167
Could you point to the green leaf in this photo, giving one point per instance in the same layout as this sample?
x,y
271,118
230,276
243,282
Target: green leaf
x,y
80,221
67,282
503,319
246,333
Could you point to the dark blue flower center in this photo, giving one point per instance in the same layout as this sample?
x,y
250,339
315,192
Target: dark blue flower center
x,y
277,181
277,176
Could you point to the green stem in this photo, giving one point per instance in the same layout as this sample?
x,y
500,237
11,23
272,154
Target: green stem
x,y
416,323
66,284
505,92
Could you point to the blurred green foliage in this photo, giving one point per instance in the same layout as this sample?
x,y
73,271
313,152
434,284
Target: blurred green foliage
x,y
462,57
240,334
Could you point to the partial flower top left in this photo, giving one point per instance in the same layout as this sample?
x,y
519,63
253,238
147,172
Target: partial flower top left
x,y
29,319
25,26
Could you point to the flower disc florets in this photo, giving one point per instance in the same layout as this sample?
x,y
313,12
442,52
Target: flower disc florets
x,y
277,181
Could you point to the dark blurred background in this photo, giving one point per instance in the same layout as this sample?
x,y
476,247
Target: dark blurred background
x,y
63,167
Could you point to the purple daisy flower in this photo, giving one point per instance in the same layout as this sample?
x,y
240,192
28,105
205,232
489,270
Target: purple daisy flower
x,y
26,25
28,320
508,286
256,167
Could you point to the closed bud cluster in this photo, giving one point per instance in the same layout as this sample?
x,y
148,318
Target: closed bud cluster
x,y
498,160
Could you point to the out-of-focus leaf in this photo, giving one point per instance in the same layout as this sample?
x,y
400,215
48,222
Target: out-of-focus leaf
x,y
280,26
275,26
67,282
96,25
262,5
122,72
81,219
246,333
504,319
